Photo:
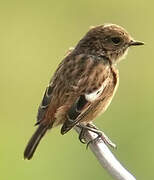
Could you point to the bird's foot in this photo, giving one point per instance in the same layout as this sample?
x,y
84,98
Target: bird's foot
x,y
100,135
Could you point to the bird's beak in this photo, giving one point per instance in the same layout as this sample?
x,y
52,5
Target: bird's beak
x,y
135,43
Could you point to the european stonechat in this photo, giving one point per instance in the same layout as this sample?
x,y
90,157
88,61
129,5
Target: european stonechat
x,y
84,83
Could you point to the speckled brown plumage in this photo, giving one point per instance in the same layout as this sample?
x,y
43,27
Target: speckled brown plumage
x,y
84,83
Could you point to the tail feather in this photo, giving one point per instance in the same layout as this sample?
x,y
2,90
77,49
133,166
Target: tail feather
x,y
34,141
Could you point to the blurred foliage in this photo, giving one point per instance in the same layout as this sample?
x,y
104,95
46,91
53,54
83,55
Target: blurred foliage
x,y
34,37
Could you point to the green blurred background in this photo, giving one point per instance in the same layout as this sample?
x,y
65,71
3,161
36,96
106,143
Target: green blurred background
x,y
34,37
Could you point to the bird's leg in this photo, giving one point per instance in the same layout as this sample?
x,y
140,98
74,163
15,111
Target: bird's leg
x,y
82,135
100,135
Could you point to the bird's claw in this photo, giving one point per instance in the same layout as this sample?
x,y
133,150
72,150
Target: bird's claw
x,y
100,135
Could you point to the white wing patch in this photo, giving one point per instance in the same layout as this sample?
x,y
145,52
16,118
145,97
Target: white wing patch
x,y
94,95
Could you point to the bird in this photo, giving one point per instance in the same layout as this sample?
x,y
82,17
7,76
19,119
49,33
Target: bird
x,y
84,83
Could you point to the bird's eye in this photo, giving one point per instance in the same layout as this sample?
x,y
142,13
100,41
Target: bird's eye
x,y
116,40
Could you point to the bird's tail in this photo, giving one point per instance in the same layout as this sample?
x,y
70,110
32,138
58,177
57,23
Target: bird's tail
x,y
34,141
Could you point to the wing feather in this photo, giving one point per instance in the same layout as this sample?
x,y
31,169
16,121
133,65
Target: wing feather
x,y
85,103
75,86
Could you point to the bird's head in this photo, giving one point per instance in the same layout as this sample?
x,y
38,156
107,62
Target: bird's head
x,y
110,40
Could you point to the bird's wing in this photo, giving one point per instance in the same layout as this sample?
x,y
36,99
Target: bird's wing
x,y
44,104
75,86
48,94
83,105
90,91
